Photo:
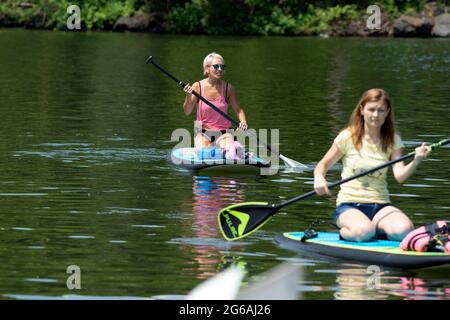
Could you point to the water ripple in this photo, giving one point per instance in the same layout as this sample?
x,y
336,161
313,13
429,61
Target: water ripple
x,y
97,155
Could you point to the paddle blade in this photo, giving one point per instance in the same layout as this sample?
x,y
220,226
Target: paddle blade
x,y
292,164
240,220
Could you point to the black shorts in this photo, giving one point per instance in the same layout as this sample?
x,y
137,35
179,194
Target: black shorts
x,y
213,134
369,209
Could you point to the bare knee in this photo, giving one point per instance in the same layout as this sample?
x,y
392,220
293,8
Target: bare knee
x,y
364,232
202,142
394,223
399,231
359,233
225,141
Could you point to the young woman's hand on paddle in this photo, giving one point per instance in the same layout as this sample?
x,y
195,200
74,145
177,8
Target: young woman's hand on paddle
x,y
401,171
321,185
422,152
329,159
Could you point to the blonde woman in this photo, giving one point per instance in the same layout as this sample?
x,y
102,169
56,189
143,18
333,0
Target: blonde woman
x,y
363,205
214,127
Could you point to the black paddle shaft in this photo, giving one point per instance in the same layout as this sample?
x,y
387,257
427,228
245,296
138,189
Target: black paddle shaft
x,y
182,84
335,184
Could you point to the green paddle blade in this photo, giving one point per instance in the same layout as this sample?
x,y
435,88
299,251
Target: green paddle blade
x,y
240,220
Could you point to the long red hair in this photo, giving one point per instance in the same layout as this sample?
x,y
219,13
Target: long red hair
x,y
356,123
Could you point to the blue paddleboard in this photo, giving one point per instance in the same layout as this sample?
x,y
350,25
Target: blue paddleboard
x,y
374,252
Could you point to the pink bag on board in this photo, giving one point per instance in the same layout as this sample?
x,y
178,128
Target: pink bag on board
x,y
431,237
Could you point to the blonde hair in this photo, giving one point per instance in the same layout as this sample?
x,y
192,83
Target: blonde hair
x,y
356,123
208,59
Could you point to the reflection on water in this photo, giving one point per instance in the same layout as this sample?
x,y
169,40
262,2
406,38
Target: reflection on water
x,y
357,283
362,282
210,194
414,288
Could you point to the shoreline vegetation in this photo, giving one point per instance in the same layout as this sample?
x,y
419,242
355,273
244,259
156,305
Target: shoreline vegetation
x,y
396,18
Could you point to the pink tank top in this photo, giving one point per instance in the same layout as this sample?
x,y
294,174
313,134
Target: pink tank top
x,y
208,117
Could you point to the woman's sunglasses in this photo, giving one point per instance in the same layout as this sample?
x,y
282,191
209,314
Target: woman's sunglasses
x,y
216,66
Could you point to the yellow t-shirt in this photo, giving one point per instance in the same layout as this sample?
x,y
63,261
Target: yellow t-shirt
x,y
371,188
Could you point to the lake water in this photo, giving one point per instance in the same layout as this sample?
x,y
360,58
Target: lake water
x,y
86,129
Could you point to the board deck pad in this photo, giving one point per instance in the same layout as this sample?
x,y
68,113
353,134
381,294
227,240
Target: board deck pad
x,y
377,252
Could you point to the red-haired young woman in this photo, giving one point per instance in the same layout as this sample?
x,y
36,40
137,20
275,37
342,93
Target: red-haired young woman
x,y
363,206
